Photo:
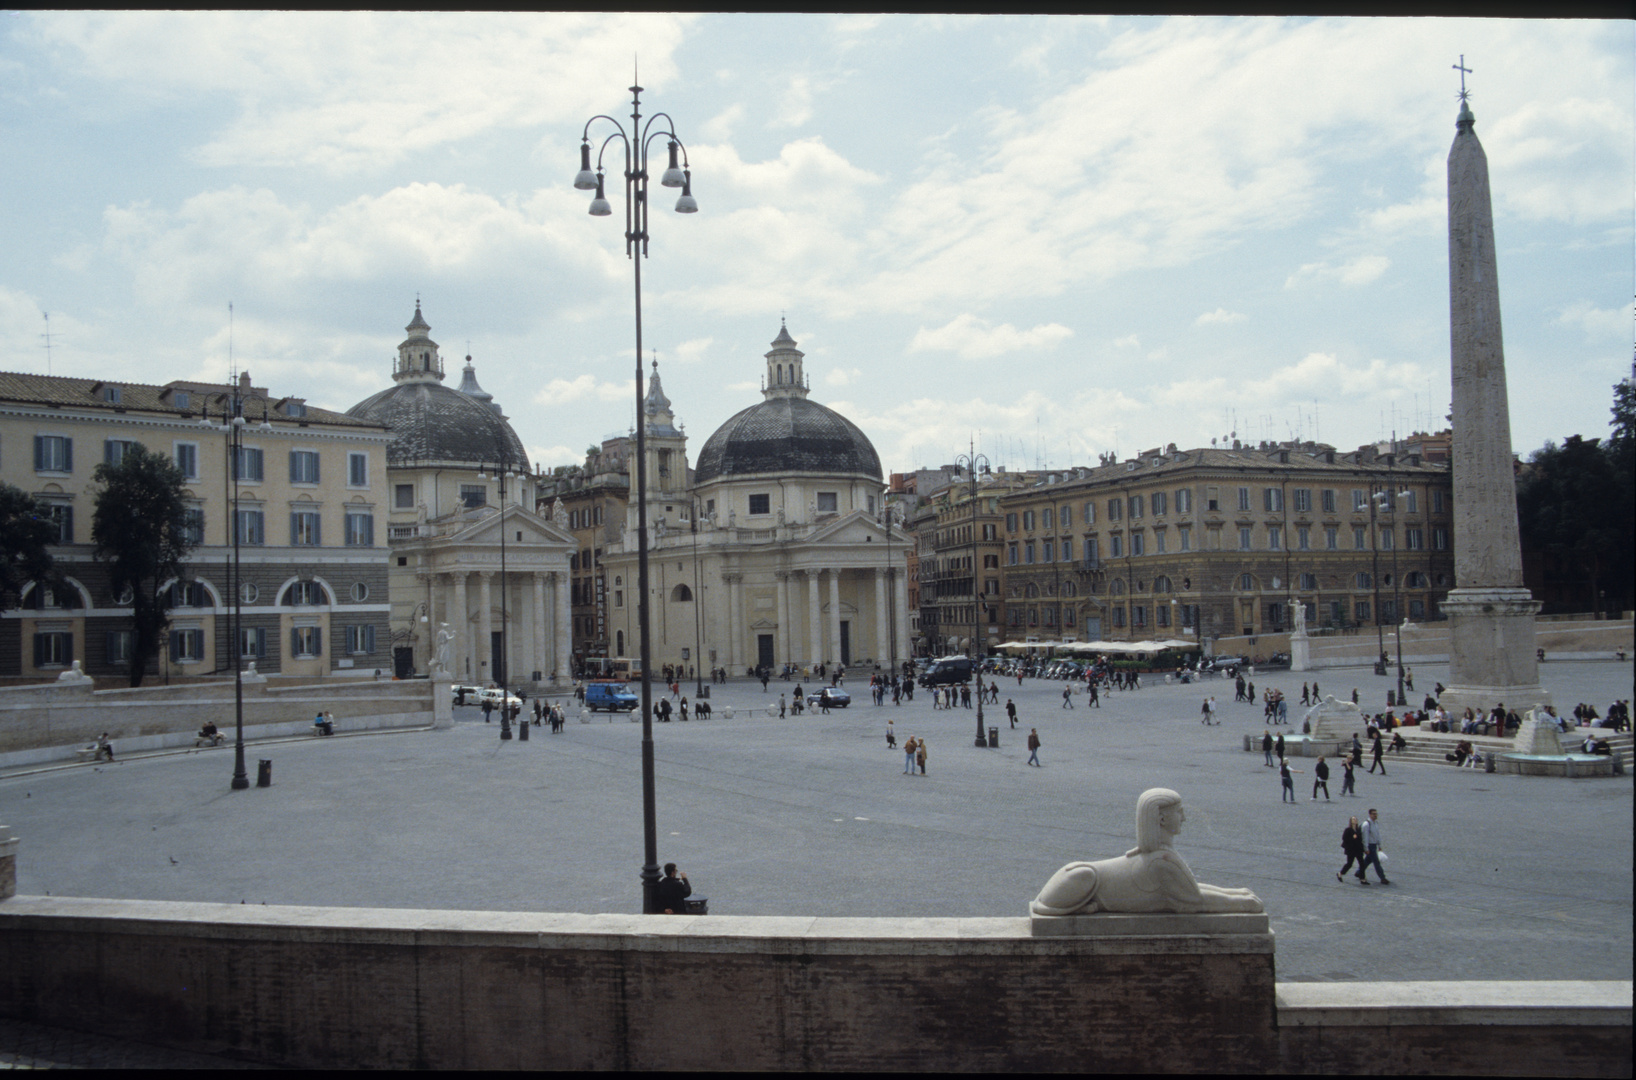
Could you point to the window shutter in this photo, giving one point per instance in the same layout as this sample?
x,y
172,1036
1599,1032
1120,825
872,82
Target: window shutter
x,y
369,639
39,464
294,524
294,471
68,455
39,650
108,452
175,645
295,643
68,524
318,641
317,530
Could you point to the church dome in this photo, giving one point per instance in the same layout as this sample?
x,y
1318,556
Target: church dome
x,y
787,435
435,423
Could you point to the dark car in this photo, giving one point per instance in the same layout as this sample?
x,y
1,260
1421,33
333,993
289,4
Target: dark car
x,y
835,696
948,669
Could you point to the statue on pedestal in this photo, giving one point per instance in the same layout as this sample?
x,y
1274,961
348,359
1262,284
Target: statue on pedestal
x,y
1148,878
440,660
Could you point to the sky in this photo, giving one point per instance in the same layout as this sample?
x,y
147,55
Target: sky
x,y
1048,237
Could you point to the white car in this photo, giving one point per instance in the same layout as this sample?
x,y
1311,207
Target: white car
x,y
466,695
495,696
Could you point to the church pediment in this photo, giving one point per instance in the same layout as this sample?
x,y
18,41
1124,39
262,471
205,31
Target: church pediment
x,y
485,530
854,528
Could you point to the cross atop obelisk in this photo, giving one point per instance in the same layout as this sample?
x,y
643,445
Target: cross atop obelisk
x,y
1491,614
1464,71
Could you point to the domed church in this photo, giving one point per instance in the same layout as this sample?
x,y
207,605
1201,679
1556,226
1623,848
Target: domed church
x,y
778,552
467,548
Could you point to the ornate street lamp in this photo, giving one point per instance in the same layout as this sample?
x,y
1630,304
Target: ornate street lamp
x,y
971,463
634,145
233,423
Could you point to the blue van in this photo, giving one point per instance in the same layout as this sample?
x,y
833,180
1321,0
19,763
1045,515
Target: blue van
x,y
611,696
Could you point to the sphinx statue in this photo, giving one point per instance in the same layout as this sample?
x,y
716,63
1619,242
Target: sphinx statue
x,y
1149,878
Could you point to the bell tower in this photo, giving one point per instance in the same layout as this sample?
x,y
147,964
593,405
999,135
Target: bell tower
x,y
418,360
784,376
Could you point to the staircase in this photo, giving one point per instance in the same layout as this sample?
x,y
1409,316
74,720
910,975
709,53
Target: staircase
x,y
1429,747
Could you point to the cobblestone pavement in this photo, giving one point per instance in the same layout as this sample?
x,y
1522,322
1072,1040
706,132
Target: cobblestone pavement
x,y
34,1046
1493,876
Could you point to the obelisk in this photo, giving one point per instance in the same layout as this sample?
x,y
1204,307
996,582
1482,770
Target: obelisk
x,y
1491,614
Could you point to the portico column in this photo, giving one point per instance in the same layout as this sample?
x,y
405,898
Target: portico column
x,y
815,640
460,623
900,582
484,653
564,620
541,656
733,598
785,653
882,638
835,615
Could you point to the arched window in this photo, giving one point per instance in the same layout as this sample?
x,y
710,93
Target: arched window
x,y
1117,587
619,638
1070,589
1161,584
681,594
1031,591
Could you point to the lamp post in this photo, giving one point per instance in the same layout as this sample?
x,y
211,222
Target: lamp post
x,y
233,419
698,636
971,462
634,145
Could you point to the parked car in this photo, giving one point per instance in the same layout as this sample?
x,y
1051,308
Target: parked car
x,y
1228,663
466,695
837,698
614,697
948,669
497,696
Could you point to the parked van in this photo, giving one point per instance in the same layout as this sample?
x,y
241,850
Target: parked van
x,y
948,669
611,696
613,667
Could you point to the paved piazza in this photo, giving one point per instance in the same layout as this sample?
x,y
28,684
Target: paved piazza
x,y
1493,876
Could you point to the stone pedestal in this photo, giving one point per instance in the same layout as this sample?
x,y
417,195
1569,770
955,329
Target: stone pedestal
x,y
1300,651
442,701
1492,658
8,862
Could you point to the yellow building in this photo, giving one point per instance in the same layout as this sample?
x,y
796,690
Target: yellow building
x,y
310,506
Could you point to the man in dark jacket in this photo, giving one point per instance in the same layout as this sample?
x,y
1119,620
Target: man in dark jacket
x,y
673,891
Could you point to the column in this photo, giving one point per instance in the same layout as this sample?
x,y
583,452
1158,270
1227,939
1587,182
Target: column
x,y
562,625
481,666
540,654
733,599
883,637
900,581
815,639
460,623
835,615
785,653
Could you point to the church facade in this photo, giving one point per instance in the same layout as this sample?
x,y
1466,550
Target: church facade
x,y
468,549
777,552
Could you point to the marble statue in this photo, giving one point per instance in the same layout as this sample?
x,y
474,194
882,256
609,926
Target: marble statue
x,y
445,644
559,514
1148,878
1332,718
1300,617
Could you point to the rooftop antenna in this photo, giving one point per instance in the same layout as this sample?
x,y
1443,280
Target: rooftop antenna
x,y
232,366
47,336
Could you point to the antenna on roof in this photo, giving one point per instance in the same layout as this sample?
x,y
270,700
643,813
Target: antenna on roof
x,y
232,367
47,336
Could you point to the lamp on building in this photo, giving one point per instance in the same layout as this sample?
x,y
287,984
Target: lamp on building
x,y
635,145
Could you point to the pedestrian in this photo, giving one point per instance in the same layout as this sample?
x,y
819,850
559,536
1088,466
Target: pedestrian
x,y
105,749
1315,697
1351,847
1354,695
1284,772
1266,746
1212,705
1371,845
1011,711
780,708
1034,748
1204,712
1408,678
909,756
672,891
1320,778
488,708
891,737
1377,751
1068,696
1250,695
1349,777
1096,698
1278,747
920,756
965,695
1304,700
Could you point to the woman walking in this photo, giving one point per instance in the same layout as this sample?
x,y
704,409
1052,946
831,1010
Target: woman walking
x,y
1351,847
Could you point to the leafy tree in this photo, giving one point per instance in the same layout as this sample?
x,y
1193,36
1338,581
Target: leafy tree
x,y
1566,509
1621,450
26,529
140,530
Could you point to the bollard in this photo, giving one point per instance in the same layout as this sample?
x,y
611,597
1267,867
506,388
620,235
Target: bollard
x,y
522,731
264,773
993,738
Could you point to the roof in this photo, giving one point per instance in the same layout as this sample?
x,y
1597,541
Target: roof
x,y
787,435
433,422
87,394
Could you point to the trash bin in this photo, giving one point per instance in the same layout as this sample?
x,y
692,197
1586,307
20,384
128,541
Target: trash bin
x,y
522,729
703,694
993,738
697,905
264,773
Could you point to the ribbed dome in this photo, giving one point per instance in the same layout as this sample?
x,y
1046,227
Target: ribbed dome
x,y
432,422
787,435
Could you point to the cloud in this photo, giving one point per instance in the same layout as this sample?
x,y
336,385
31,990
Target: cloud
x,y
1599,323
582,388
842,376
1220,315
693,351
1129,341
1356,271
719,128
976,339
795,108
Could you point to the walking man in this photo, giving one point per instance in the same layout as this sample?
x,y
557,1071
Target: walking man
x,y
1278,747
1204,712
909,756
1068,696
1320,778
1266,746
1349,776
1011,711
1377,756
1288,781
1371,847
1034,747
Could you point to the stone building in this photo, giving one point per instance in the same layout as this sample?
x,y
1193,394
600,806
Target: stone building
x,y
593,496
960,550
1221,542
777,552
311,499
468,548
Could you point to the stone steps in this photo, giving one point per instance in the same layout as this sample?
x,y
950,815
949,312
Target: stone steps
x,y
1429,747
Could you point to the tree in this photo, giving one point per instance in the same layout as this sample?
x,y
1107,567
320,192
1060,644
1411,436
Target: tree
x,y
26,529
140,530
1566,508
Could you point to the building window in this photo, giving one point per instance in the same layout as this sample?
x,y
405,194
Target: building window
x,y
1184,500
1211,502
1028,521
1417,580
1360,538
1308,582
252,642
1065,516
1386,538
1329,500
118,646
1440,539
1414,539
1359,501
1184,536
1332,538
1159,541
1138,616
1272,500
1303,500
1138,542
1045,518
828,503
1303,538
61,515
1417,609
1161,584
247,465
193,524
1362,609
1362,580
1090,512
1092,554
1067,549
1244,538
1011,555
1028,552
1048,551
53,453
305,593
1437,502
1115,509
761,504
358,470
360,529
1411,502
1011,522
186,646
113,395
474,495
249,593
1160,503
189,594
304,528
306,642
1161,615
403,497
114,450
180,399
252,527
1118,614
360,640
1243,498
295,409
1116,546
1135,507
1388,611
303,466
54,649
186,456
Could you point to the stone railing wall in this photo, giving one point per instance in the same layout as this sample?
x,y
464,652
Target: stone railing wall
x,y
369,988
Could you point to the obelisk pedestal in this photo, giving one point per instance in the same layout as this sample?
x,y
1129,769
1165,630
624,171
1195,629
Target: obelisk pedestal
x,y
1491,615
